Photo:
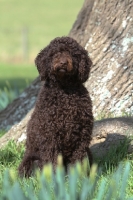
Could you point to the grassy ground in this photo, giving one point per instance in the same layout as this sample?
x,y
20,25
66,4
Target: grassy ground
x,y
43,20
11,156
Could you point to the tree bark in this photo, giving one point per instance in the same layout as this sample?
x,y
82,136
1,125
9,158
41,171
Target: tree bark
x,y
108,37
105,29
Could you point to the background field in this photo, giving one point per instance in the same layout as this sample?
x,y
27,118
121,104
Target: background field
x,y
27,26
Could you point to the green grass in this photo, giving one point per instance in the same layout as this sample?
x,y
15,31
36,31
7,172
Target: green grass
x,y
18,76
11,156
2,132
44,20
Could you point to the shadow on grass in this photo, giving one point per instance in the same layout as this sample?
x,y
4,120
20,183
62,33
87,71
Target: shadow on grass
x,y
116,154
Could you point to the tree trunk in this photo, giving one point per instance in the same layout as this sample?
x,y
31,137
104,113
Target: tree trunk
x,y
105,29
107,34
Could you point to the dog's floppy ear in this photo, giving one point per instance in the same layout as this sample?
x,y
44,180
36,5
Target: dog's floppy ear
x,y
84,67
41,63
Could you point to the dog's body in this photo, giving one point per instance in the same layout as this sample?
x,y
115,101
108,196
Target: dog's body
x,y
62,121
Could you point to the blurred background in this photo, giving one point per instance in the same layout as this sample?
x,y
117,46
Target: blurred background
x,y
25,28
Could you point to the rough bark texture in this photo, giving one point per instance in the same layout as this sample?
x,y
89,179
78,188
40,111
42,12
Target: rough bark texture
x,y
107,34
105,28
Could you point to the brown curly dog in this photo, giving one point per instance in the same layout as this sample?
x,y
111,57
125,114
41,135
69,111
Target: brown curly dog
x,y
62,121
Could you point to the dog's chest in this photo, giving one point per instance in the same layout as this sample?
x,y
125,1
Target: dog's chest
x,y
63,116
61,109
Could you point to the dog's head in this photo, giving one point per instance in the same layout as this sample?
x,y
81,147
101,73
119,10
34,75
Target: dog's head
x,y
63,58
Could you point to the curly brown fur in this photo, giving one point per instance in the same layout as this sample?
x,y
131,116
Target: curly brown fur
x,y
62,121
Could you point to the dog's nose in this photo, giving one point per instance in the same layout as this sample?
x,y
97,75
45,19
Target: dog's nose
x,y
63,61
